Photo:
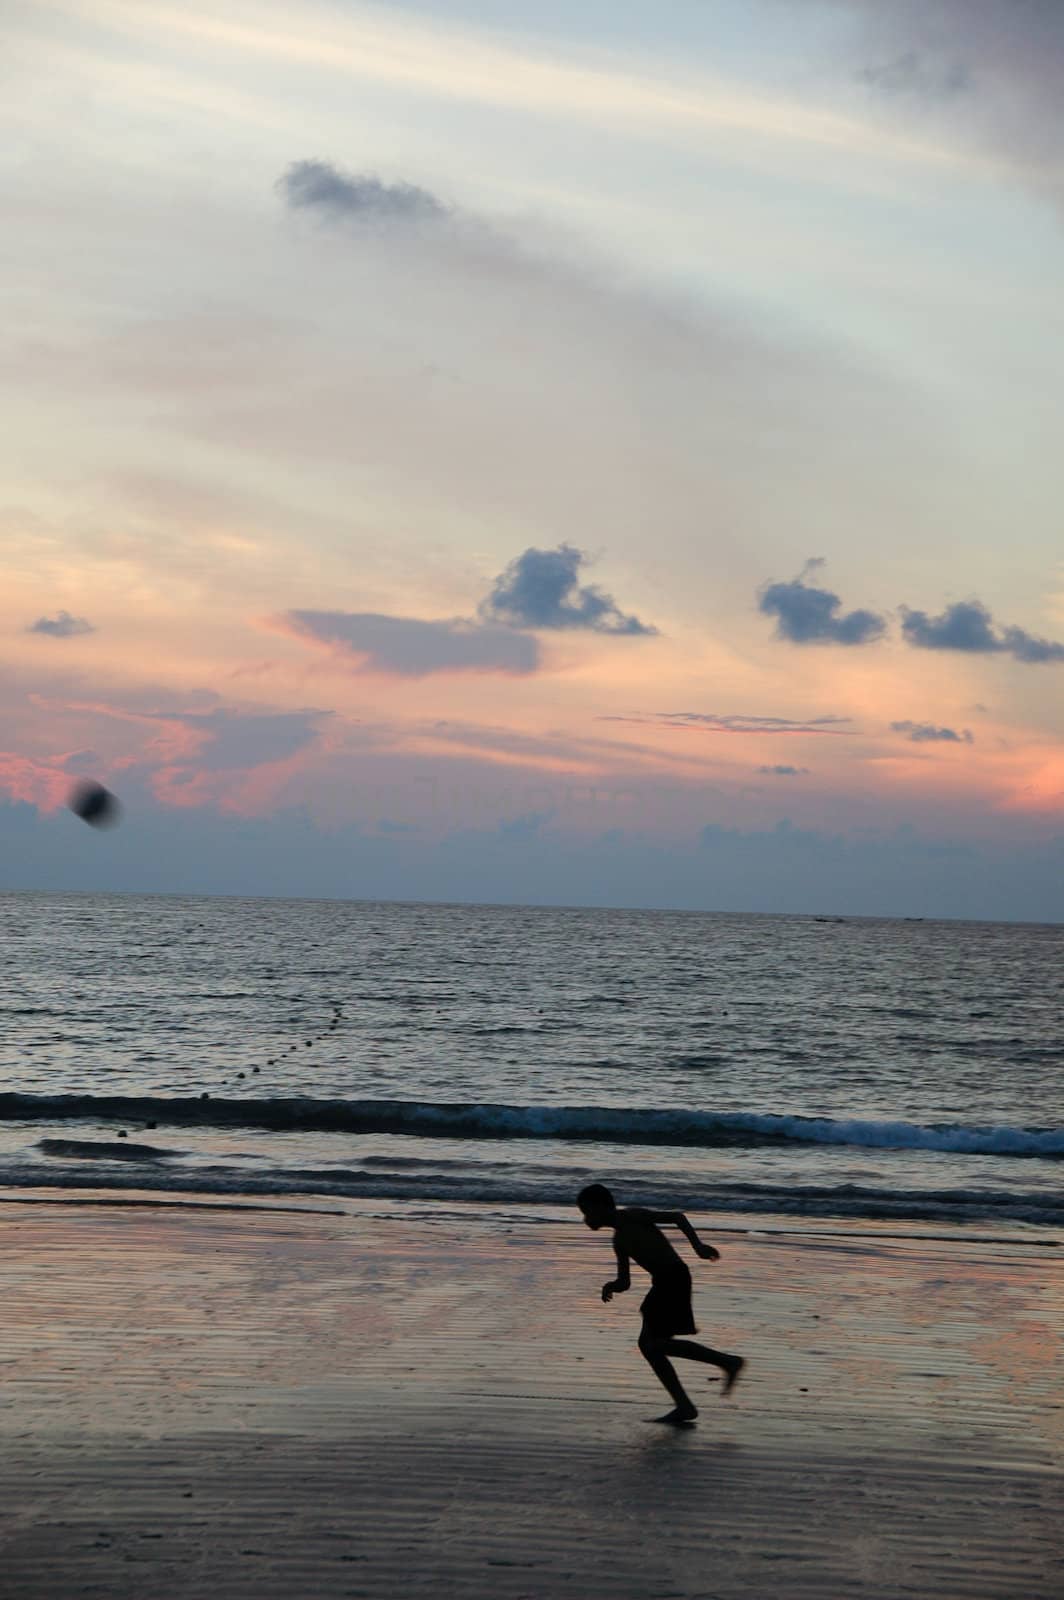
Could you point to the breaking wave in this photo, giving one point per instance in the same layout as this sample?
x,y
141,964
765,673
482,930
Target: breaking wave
x,y
588,1124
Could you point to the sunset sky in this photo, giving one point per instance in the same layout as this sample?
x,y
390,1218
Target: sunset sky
x,y
599,451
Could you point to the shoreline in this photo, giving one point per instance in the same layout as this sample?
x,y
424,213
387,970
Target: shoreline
x,y
195,1401
1038,1213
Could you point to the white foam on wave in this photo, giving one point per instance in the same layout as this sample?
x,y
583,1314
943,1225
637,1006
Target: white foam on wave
x,y
908,1135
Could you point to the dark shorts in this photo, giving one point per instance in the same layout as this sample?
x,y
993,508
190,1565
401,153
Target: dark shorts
x,y
667,1308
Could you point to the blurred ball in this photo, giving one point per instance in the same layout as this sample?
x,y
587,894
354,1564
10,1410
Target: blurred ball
x,y
94,804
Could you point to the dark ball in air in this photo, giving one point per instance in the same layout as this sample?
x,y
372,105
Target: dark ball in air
x,y
94,804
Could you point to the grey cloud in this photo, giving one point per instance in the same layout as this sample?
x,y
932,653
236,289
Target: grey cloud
x,y
321,187
537,590
927,733
785,772
540,590
964,626
999,64
968,626
806,615
1025,647
411,648
61,626
714,722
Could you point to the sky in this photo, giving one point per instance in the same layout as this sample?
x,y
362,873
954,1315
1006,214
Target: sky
x,y
602,452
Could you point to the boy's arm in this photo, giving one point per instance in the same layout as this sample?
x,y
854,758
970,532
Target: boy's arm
x,y
677,1219
622,1281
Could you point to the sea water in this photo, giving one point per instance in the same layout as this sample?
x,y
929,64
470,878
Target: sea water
x,y
506,1055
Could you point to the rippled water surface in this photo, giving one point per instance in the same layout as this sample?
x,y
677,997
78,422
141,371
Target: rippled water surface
x,y
860,1064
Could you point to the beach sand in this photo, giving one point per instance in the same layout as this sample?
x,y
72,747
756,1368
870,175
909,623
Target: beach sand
x,y
253,1403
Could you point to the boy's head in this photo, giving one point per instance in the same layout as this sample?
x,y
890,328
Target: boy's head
x,y
597,1204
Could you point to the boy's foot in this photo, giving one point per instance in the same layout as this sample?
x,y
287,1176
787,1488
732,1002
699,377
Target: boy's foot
x,y
682,1417
731,1374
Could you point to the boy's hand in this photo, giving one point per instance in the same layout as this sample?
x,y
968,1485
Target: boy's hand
x,y
707,1252
612,1288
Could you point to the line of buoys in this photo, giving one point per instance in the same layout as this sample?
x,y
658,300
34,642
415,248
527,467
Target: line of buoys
x,y
272,1061
308,1044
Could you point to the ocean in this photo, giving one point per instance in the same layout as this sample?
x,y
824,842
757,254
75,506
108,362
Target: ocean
x,y
504,1056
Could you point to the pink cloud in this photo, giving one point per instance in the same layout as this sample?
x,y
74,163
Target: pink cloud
x,y
36,783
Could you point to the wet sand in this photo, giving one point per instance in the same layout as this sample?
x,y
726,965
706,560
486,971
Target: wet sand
x,y
260,1404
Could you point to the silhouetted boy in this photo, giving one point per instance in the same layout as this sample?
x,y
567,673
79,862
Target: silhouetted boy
x,y
667,1308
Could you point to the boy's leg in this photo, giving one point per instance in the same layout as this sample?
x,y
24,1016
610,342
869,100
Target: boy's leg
x,y
690,1351
653,1350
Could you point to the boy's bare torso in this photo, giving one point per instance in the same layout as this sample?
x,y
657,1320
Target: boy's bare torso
x,y
635,1235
